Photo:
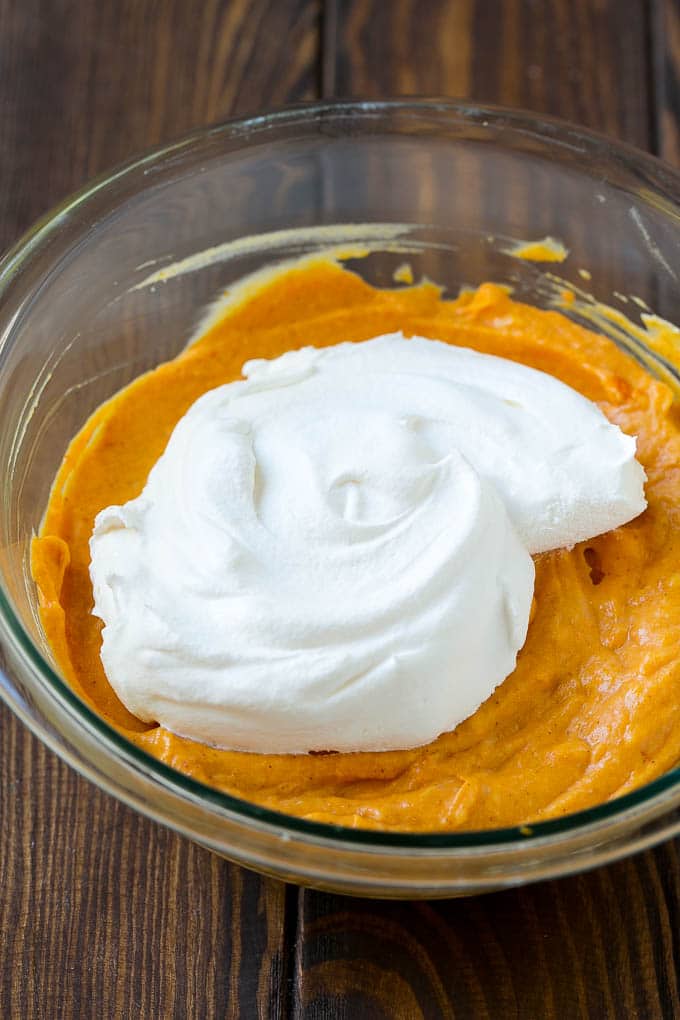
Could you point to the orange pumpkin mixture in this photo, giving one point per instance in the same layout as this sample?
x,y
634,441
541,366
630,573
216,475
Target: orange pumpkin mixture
x,y
593,707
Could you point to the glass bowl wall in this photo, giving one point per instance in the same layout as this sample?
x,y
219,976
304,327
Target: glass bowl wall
x,y
117,279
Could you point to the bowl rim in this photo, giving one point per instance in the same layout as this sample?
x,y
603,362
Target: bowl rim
x,y
548,131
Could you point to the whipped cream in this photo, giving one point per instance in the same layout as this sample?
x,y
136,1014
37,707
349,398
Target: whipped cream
x,y
334,553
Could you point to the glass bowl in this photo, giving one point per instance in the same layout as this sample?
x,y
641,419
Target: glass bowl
x,y
115,280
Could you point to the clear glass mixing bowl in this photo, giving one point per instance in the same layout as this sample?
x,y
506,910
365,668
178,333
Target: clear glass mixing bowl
x,y
79,319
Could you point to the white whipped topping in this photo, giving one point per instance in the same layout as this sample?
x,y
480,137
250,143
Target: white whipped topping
x,y
334,554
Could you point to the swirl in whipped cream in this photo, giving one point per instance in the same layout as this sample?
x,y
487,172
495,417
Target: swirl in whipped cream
x,y
334,554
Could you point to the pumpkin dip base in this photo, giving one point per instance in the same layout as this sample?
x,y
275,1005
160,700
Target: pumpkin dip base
x,y
592,709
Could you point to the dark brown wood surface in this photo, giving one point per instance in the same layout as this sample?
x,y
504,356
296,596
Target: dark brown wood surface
x,y
104,914
665,47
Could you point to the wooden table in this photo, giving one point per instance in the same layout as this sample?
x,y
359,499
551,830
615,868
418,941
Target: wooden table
x,y
104,914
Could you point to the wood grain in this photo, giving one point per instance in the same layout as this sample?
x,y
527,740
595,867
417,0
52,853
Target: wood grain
x,y
565,57
103,913
85,85
666,43
106,914
600,945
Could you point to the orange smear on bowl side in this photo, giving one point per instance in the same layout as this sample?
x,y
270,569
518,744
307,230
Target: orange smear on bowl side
x,y
592,709
545,250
